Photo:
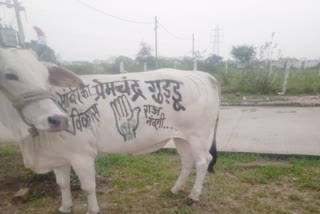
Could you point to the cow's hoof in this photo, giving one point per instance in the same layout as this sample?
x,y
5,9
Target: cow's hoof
x,y
64,211
175,191
190,201
170,194
60,212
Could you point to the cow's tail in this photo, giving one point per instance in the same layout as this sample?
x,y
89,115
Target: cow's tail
x,y
213,148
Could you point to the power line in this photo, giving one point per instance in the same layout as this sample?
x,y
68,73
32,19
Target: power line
x,y
113,16
173,35
156,24
14,18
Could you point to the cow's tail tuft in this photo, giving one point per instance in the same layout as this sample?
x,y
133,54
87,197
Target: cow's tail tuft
x,y
213,149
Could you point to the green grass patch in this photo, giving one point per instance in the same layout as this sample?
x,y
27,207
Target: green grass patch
x,y
243,183
8,149
263,175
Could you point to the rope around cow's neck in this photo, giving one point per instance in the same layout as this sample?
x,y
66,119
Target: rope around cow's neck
x,y
24,99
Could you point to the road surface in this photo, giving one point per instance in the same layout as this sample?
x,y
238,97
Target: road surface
x,y
276,130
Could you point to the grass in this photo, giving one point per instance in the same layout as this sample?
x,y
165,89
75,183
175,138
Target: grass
x,y
243,183
7,149
257,81
256,85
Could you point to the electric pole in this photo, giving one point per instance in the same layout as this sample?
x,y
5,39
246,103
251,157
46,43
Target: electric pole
x,y
216,41
193,54
194,58
156,39
17,7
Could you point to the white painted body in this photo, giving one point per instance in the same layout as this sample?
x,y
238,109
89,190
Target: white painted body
x,y
190,121
199,97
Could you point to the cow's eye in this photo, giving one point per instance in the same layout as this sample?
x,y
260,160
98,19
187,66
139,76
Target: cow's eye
x,y
11,76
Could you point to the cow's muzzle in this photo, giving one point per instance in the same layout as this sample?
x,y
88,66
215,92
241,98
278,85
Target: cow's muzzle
x,y
58,123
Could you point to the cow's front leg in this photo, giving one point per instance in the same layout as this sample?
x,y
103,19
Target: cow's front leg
x,y
84,168
63,180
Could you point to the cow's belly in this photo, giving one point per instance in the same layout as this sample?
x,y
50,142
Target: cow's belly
x,y
137,148
145,140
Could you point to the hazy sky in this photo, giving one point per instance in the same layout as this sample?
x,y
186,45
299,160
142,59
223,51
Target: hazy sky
x,y
77,32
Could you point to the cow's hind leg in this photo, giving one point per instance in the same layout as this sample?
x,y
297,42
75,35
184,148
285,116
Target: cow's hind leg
x,y
187,161
84,168
63,180
202,159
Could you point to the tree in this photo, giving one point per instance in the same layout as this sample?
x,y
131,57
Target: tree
x,y
243,53
126,60
144,55
214,59
128,63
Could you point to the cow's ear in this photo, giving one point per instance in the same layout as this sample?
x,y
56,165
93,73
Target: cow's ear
x,y
62,77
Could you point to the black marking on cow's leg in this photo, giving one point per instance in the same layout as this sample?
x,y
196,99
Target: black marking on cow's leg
x,y
213,149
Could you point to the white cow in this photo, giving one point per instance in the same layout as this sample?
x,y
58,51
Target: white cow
x,y
127,113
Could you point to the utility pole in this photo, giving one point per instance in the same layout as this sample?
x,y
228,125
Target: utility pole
x,y
122,71
17,7
216,41
193,55
156,39
270,46
145,66
226,67
286,77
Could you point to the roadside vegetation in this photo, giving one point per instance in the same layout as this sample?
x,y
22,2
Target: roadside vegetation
x,y
247,74
254,81
242,183
258,81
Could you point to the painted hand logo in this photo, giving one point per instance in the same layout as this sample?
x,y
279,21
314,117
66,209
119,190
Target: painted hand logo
x,y
127,119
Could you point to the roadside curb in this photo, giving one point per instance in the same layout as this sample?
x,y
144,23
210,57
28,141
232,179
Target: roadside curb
x,y
273,104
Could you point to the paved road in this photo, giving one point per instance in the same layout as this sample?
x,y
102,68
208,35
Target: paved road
x,y
281,130
277,130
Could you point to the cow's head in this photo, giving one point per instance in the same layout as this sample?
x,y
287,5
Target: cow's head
x,y
26,81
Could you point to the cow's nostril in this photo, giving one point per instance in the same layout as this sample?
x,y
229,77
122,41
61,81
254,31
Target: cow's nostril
x,y
55,120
